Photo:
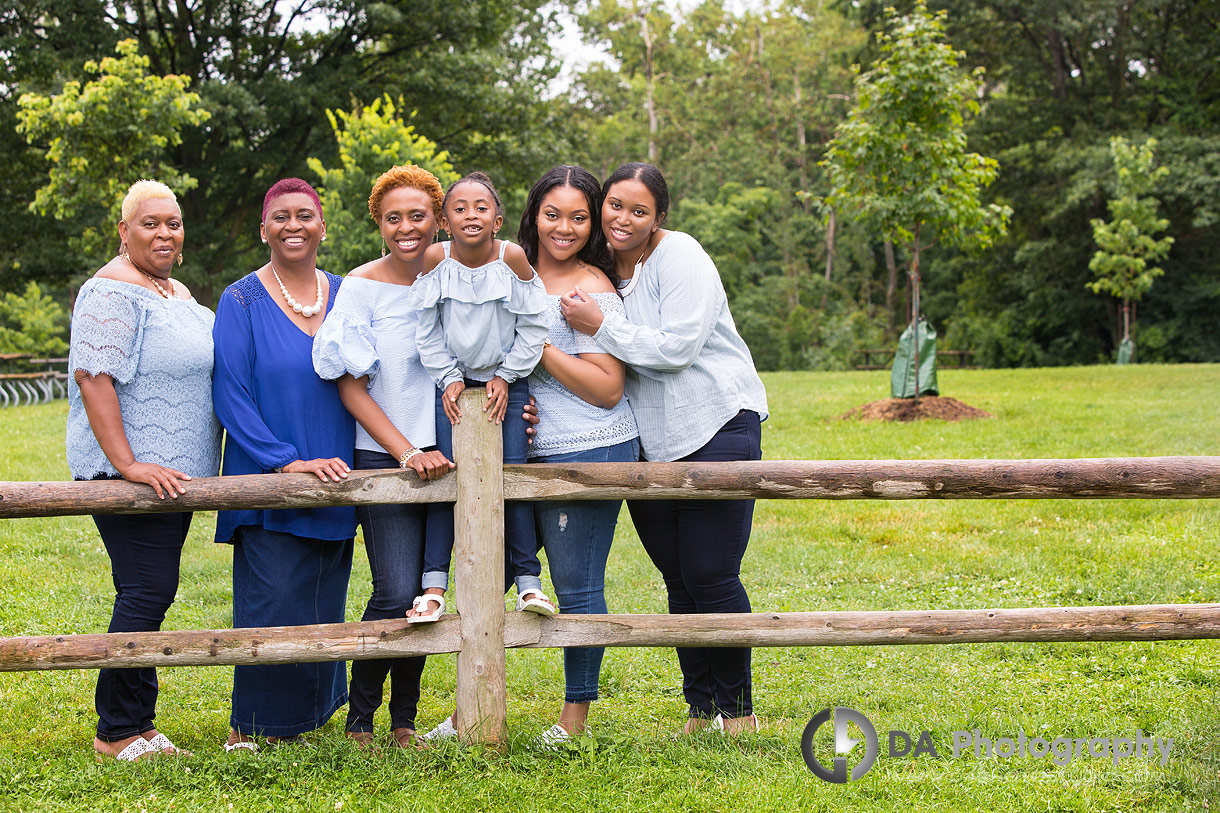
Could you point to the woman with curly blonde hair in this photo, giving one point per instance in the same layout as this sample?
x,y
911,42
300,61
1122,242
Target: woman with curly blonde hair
x,y
368,344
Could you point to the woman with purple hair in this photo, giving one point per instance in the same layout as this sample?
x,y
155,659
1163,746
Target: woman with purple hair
x,y
290,566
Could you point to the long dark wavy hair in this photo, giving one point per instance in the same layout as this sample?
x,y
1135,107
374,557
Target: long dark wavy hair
x,y
595,252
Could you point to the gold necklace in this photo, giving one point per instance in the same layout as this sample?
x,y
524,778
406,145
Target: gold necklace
x,y
150,277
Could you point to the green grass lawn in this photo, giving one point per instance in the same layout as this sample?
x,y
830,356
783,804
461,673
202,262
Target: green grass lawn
x,y
858,555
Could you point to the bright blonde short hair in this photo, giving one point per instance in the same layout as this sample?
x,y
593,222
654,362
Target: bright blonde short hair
x,y
141,191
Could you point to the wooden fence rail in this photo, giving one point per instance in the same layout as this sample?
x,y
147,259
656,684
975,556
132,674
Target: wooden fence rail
x,y
482,629
396,638
1081,478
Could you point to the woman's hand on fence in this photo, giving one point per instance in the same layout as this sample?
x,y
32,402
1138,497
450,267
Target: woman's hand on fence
x,y
159,477
581,311
430,465
497,399
324,467
449,401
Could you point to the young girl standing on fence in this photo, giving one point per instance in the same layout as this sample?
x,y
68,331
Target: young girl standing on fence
x,y
481,324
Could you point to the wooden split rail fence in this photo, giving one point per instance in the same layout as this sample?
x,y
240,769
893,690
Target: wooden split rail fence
x,y
481,630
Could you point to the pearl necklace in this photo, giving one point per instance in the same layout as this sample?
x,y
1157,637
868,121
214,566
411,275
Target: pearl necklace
x,y
151,278
305,310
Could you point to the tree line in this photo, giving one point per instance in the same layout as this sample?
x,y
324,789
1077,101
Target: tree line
x,y
738,108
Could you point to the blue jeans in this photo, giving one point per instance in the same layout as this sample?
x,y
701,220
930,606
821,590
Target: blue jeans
x,y
144,550
521,563
394,542
285,580
577,535
698,546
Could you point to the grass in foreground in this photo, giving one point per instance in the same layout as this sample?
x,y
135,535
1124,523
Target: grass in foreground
x,y
803,556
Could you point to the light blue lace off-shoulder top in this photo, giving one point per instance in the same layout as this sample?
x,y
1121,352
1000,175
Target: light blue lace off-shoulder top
x,y
159,353
479,322
570,423
371,332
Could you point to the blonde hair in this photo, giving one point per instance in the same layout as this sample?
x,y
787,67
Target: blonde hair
x,y
141,191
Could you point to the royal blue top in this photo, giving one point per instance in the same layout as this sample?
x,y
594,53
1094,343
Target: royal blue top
x,y
274,407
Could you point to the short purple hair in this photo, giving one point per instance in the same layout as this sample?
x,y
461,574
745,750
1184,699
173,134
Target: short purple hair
x,y
287,186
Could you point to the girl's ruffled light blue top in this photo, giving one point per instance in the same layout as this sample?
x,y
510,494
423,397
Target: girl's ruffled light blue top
x,y
480,322
570,423
689,371
371,332
159,353
275,408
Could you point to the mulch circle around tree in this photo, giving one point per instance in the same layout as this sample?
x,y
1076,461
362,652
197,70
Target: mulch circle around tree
x,y
908,409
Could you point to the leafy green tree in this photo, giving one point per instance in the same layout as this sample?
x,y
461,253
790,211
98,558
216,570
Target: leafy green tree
x,y
38,40
105,135
371,139
32,322
900,162
1062,77
478,81
1126,244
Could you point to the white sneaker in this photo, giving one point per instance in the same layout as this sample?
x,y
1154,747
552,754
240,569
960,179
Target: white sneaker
x,y
552,738
445,731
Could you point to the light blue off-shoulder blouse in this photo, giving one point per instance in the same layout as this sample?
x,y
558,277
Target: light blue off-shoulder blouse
x,y
688,370
371,332
570,423
480,322
159,353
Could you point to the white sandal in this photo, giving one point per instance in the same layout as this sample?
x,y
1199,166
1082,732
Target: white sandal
x,y
240,745
135,750
428,615
552,738
163,744
537,603
444,731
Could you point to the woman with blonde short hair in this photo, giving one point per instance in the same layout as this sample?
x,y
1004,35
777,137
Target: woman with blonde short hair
x,y
140,409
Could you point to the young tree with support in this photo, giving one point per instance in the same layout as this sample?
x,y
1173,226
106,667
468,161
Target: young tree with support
x,y
900,162
1126,245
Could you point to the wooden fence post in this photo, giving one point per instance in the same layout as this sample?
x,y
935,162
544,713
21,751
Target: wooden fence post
x,y
478,450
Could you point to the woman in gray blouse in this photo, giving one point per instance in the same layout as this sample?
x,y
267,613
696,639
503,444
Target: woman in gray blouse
x,y
696,397
140,409
579,387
